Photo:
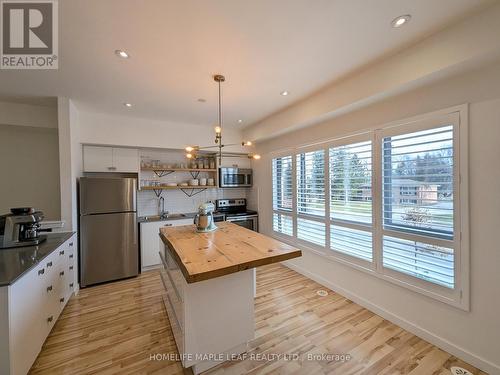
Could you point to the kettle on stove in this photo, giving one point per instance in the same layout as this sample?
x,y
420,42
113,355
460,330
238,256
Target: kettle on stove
x,y
204,219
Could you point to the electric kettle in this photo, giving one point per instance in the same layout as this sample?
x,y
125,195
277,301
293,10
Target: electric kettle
x,y
204,219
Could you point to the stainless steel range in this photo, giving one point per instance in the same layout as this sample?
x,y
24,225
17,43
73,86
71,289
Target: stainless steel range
x,y
235,210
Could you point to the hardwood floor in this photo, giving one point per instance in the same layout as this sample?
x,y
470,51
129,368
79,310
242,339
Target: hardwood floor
x,y
114,328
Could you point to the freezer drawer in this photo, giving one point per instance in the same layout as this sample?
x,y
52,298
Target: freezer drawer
x,y
109,249
104,195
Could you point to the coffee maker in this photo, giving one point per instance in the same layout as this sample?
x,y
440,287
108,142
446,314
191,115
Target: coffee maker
x,y
20,228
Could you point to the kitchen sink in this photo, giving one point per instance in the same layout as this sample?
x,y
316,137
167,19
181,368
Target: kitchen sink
x,y
174,216
163,217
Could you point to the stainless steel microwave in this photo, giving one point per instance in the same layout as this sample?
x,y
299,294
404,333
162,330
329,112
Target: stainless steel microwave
x,y
235,177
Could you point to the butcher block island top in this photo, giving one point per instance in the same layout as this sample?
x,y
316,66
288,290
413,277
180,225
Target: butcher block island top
x,y
229,249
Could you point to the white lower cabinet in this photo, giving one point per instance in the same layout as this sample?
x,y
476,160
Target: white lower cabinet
x,y
33,304
150,240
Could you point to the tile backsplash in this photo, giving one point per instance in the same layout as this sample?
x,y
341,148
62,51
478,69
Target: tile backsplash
x,y
176,201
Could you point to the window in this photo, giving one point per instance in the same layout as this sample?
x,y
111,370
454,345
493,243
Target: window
x,y
282,195
311,197
282,183
351,199
311,183
419,165
387,202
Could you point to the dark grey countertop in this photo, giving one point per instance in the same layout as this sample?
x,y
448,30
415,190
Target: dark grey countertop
x,y
153,218
15,262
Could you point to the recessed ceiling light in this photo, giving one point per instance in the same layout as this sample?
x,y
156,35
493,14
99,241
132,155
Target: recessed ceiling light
x,y
401,20
122,54
284,93
240,121
127,105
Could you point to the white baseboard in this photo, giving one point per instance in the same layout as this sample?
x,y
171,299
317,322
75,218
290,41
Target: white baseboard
x,y
151,268
440,342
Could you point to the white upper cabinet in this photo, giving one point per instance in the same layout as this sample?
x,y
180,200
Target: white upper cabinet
x,y
110,159
126,159
97,159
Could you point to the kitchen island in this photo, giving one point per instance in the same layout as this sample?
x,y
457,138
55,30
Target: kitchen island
x,y
209,288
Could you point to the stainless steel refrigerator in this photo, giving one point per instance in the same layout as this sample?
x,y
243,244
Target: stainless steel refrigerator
x,y
108,229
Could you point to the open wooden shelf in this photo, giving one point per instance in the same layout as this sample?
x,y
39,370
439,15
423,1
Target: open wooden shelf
x,y
188,190
178,169
162,187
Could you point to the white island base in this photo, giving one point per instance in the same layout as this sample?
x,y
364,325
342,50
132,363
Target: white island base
x,y
212,320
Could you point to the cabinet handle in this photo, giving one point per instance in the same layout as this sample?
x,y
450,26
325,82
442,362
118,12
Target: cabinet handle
x,y
71,256
70,268
61,252
61,300
112,168
71,244
61,273
49,264
41,272
50,319
49,288
168,225
71,285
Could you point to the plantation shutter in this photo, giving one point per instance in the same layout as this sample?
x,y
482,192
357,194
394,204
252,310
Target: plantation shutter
x,y
282,183
311,183
311,197
351,199
282,195
418,204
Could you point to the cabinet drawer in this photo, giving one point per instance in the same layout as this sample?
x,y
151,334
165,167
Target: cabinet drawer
x,y
175,301
175,273
174,324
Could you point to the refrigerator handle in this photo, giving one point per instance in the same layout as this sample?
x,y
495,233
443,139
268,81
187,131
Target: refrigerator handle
x,y
135,232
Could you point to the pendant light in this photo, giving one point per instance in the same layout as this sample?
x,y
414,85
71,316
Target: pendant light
x,y
192,150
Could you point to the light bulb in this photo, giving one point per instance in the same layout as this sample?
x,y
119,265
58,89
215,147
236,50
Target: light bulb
x,y
218,129
246,143
189,156
256,156
189,148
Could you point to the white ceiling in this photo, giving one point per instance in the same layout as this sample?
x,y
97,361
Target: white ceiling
x,y
261,46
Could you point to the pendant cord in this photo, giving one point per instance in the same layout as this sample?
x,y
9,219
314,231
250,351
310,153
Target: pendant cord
x,y
220,124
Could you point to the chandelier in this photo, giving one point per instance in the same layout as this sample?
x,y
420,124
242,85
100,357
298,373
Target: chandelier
x,y
193,150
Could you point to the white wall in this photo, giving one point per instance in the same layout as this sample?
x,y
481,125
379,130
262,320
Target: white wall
x,y
70,161
29,158
472,336
107,129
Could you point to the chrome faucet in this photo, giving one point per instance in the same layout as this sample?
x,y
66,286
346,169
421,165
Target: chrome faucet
x,y
161,208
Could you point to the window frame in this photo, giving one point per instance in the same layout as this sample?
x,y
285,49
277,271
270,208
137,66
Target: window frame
x,y
459,295
457,116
